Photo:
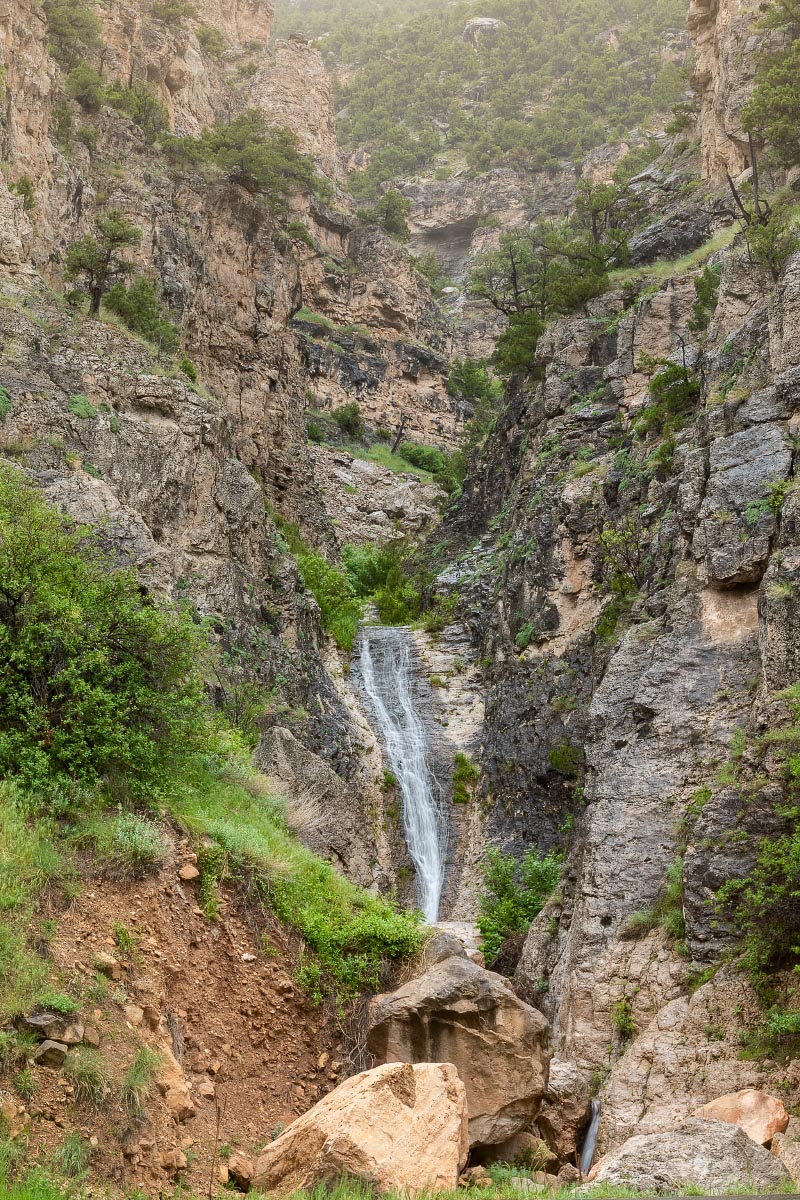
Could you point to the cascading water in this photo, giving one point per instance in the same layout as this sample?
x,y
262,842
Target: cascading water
x,y
386,672
590,1141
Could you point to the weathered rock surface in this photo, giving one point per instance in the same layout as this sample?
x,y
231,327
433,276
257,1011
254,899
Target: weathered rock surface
x,y
396,1128
709,1155
759,1116
565,1109
460,1013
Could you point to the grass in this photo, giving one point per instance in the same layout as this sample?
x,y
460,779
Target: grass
x,y
128,844
86,1071
381,454
349,931
666,269
29,862
138,1079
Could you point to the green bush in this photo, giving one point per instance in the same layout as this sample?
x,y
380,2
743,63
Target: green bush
x,y
85,85
81,406
73,29
390,212
350,419
128,845
382,574
141,311
140,102
340,608
5,404
211,41
566,759
24,187
622,1019
513,893
429,458
96,681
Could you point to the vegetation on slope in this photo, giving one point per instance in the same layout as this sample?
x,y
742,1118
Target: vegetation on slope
x,y
559,79
107,726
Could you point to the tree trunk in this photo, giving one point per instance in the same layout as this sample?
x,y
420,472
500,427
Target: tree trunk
x,y
95,296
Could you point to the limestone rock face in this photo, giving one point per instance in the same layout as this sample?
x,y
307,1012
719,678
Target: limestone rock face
x,y
723,78
397,1128
565,1108
460,1013
705,1154
760,1116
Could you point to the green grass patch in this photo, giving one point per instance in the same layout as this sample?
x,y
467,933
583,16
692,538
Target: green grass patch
x,y
381,454
349,931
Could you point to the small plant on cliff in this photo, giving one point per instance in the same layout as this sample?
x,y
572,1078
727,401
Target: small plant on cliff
x,y
773,111
340,608
622,1019
211,41
350,419
98,263
85,85
706,288
465,776
138,1080
139,101
390,212
141,311
513,893
24,187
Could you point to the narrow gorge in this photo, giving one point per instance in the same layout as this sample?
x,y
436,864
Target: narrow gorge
x,y
399,611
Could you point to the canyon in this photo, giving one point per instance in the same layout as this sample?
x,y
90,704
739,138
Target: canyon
x,y
638,736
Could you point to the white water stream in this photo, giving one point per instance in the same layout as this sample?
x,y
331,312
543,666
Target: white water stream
x,y
386,670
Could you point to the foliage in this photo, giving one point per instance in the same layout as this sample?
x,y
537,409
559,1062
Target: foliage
x,y
340,608
390,212
298,232
85,85
350,419
73,1155
706,287
141,311
5,404
211,41
565,759
98,262
471,381
773,111
546,88
97,682
128,845
172,12
513,893
24,187
674,391
381,574
771,242
622,1019
263,159
73,29
430,268
465,776
139,101
81,406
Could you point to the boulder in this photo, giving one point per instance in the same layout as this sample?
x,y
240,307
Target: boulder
x,y
50,1054
172,1085
710,1155
54,1026
565,1109
462,1014
759,1115
397,1128
240,1170
787,1151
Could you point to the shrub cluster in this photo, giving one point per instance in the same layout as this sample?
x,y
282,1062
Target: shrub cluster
x,y
513,893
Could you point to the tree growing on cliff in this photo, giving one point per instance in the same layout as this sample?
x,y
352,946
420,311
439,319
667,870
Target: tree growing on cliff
x,y
390,212
73,29
262,159
98,262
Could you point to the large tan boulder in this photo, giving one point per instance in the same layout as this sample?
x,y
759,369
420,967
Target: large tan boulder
x,y
564,1113
462,1014
398,1128
758,1114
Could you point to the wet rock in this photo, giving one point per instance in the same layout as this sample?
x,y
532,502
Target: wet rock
x,y
397,1128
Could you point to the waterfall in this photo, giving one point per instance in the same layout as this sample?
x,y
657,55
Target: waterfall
x,y
590,1141
386,671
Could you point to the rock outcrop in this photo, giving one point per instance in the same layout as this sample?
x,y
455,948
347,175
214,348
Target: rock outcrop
x,y
397,1128
707,1155
462,1014
760,1116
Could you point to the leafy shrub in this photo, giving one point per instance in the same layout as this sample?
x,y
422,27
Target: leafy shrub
x,y
98,261
429,458
314,431
706,288
382,574
622,1019
24,187
340,608
172,12
128,845
565,759
513,893
5,404
85,1069
350,419
73,29
298,232
390,212
96,681
211,41
187,368
81,406
85,85
140,102
142,312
